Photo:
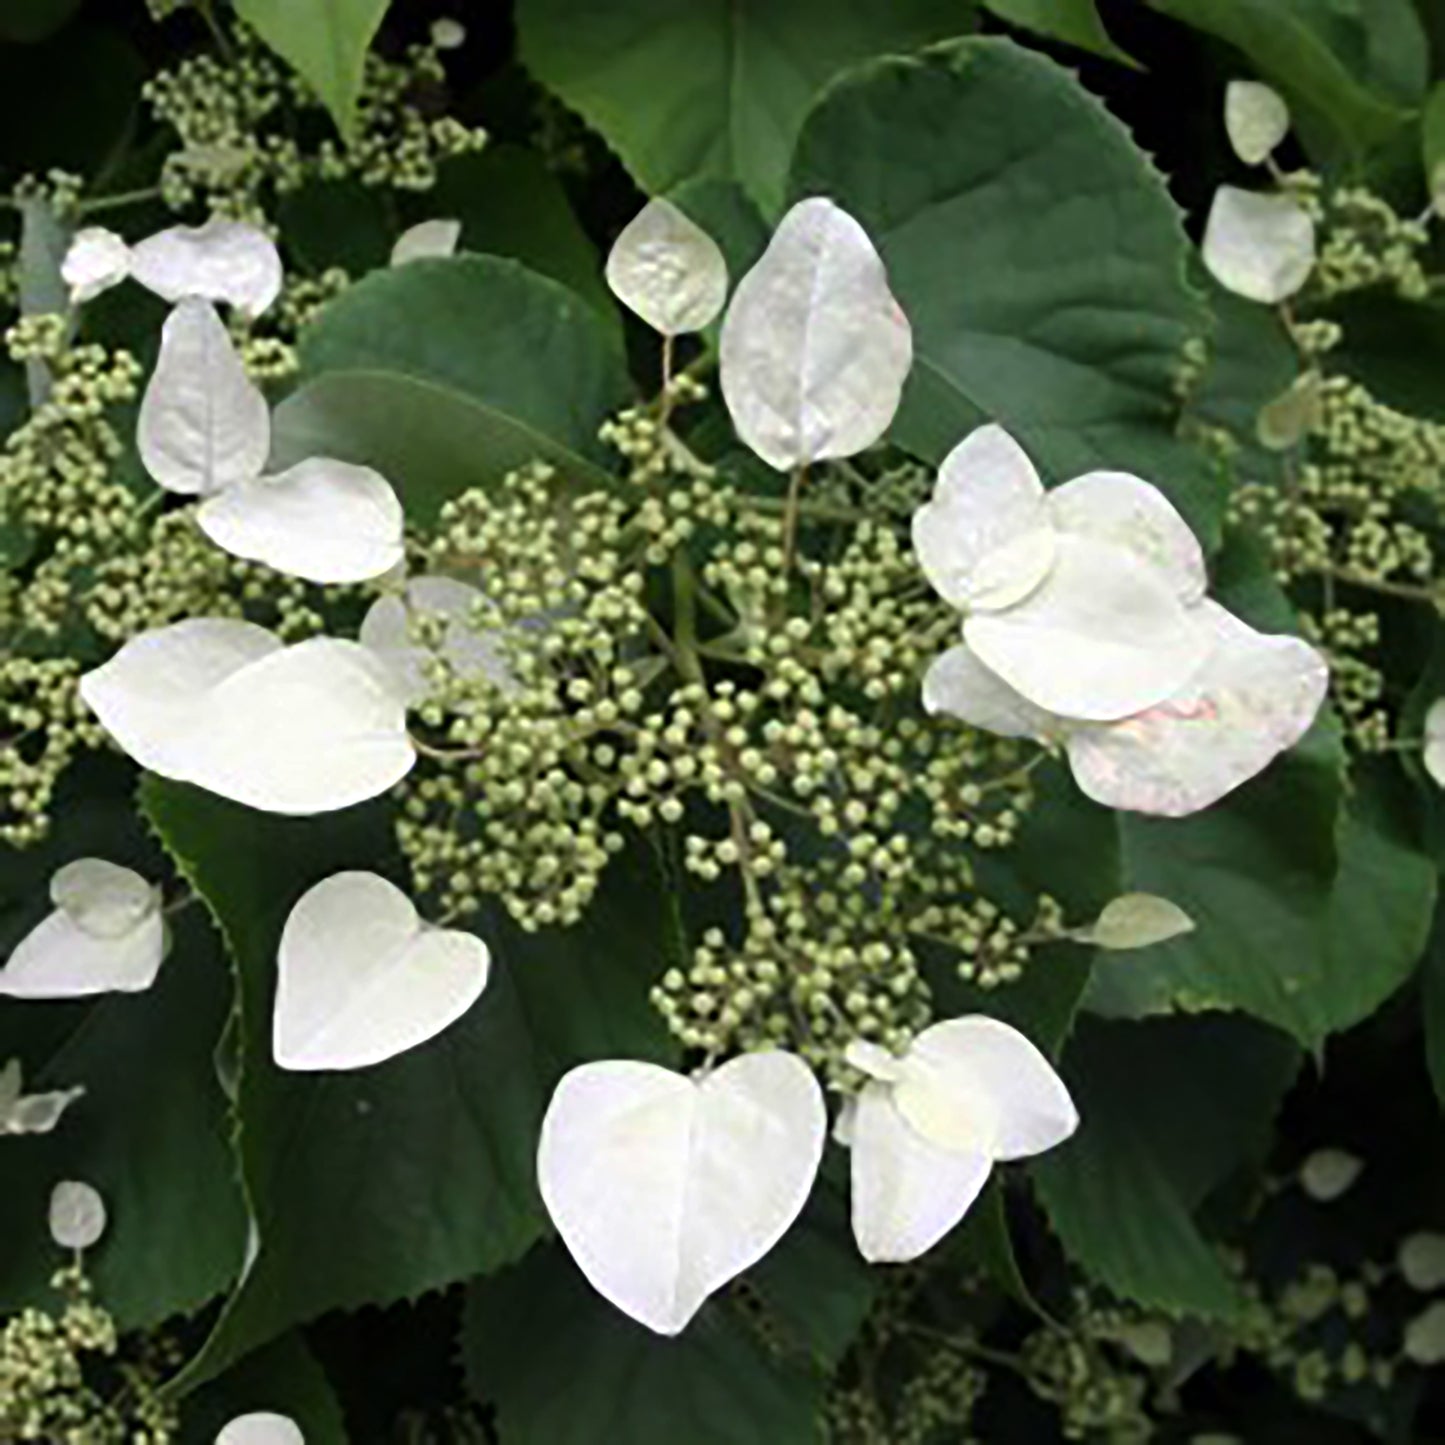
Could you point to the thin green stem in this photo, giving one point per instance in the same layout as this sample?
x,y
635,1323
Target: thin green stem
x,y
790,517
98,205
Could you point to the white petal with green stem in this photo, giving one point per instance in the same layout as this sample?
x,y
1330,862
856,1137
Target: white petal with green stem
x,y
261,1427
1255,697
668,270
427,240
1256,120
360,977
1103,636
665,1187
223,260
203,424
322,520
77,1214
814,348
96,260
1260,245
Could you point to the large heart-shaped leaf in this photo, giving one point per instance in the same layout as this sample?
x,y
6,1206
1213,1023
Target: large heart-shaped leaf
x,y
326,41
1035,251
445,375
1163,1124
728,81
717,1384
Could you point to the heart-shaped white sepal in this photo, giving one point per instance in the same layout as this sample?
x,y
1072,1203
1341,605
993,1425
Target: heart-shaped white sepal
x,y
665,1187
361,978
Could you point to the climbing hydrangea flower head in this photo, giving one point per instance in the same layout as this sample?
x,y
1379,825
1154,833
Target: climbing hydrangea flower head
x,y
927,1128
1164,700
1083,598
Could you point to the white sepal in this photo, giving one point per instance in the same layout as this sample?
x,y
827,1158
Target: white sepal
x,y
106,935
1255,697
97,260
1260,246
261,1427
203,424
102,899
1135,920
969,1092
958,684
1128,512
814,348
665,1187
222,704
668,270
908,1192
1256,120
222,260
77,1214
1102,637
324,521
1434,730
987,499
1329,1174
360,977
435,240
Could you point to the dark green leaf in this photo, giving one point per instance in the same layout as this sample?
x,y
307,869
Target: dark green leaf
x,y
1432,138
378,1184
31,20
814,1280
1035,250
151,1131
715,1384
325,41
727,82
513,367
511,204
1355,68
282,1378
1075,22
1169,1108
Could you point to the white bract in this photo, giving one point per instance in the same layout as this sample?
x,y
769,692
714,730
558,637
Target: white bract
x,y
1256,119
426,239
1296,412
323,520
665,1187
22,1113
204,424
390,629
225,705
105,935
668,270
927,1128
360,977
1421,1259
77,1214
1081,599
448,34
1255,696
814,348
1260,246
1434,755
1135,920
261,1427
96,260
1329,1173
222,260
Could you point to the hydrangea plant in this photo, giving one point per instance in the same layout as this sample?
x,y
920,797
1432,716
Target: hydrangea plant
x,y
716,727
